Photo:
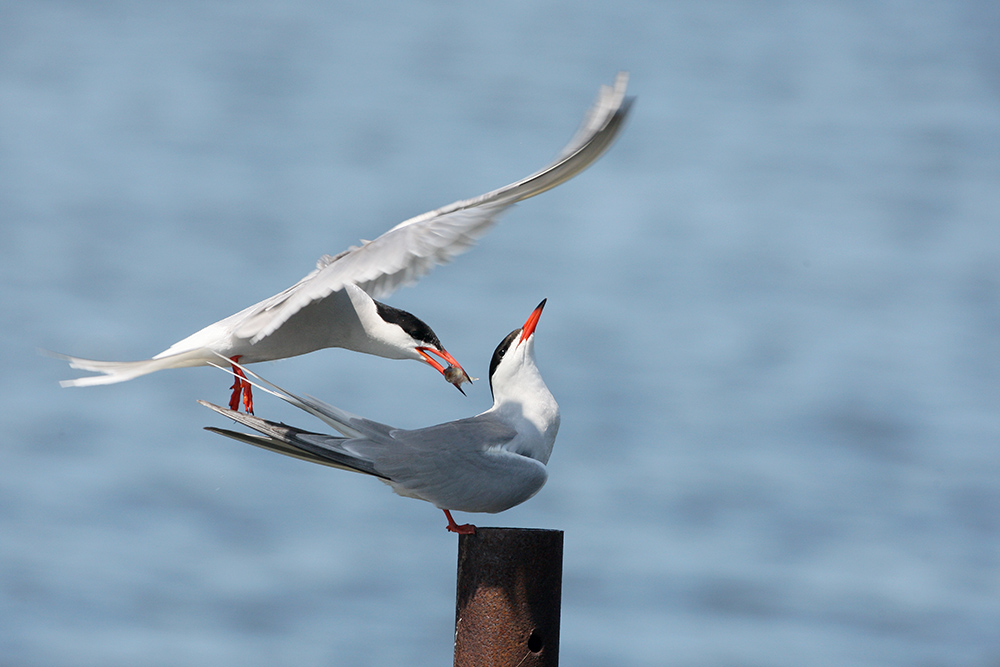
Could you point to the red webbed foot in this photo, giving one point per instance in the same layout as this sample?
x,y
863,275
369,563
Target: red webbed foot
x,y
464,529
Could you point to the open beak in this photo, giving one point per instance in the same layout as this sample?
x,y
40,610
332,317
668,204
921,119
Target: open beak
x,y
529,326
454,373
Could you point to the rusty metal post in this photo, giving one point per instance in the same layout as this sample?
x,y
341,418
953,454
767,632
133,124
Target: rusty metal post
x,y
508,598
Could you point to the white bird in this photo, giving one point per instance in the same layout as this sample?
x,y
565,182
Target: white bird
x,y
334,305
487,463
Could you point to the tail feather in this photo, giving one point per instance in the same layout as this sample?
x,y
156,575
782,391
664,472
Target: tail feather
x,y
120,371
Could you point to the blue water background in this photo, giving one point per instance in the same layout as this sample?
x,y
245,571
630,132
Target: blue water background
x,y
773,324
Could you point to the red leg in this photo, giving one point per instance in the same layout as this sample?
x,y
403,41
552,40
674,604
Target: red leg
x,y
240,386
234,400
464,529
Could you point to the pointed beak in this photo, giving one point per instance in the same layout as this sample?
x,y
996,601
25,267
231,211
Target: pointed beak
x,y
454,373
529,326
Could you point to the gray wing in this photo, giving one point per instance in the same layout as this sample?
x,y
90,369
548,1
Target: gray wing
x,y
412,248
295,442
461,465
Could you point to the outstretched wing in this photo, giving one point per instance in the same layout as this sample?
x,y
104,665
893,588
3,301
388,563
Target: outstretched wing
x,y
412,248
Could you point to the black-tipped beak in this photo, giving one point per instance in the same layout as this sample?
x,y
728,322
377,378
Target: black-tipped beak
x,y
454,373
529,326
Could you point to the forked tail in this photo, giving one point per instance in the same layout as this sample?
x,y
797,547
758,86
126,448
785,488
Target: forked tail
x,y
120,371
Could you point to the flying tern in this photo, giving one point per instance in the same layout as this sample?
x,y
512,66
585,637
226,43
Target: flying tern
x,y
335,306
487,463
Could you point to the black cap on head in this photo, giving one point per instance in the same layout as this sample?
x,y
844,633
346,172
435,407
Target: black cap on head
x,y
410,323
501,351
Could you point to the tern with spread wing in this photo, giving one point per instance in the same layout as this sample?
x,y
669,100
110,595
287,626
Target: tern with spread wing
x,y
334,306
487,463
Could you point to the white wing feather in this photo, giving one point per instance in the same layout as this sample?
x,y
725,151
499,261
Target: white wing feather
x,y
412,248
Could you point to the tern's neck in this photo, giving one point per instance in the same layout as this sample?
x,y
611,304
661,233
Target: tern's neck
x,y
529,406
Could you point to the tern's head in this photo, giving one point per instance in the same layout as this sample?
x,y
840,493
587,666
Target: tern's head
x,y
418,341
514,359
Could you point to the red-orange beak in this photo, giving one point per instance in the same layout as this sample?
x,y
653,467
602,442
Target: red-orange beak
x,y
454,373
529,326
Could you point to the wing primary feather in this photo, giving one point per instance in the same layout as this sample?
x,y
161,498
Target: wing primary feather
x,y
269,444
288,440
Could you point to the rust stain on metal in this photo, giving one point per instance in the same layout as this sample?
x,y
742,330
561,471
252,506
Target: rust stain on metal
x,y
508,598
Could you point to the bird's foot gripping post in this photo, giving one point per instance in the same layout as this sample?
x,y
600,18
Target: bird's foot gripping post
x,y
240,386
464,529
508,597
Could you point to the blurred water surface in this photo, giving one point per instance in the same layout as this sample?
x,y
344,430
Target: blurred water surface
x,y
773,324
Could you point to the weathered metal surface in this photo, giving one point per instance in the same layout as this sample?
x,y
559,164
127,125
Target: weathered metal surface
x,y
508,598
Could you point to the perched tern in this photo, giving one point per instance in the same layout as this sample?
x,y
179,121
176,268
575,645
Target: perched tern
x,y
487,463
334,306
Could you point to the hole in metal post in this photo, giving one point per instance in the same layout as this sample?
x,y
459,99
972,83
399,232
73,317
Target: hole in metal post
x,y
535,642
